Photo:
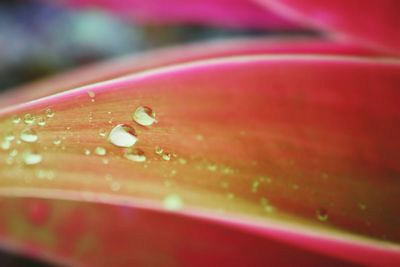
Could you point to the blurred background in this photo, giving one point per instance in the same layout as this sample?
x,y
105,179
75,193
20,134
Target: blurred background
x,y
40,38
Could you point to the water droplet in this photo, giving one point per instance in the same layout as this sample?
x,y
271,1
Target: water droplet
x,y
115,186
227,170
13,153
266,205
144,116
57,142
5,145
9,137
101,151
230,196
86,152
44,174
212,167
31,158
49,113
158,150
173,202
92,95
199,137
182,161
122,135
16,119
322,215
29,136
362,206
135,154
254,186
41,121
102,133
166,156
29,119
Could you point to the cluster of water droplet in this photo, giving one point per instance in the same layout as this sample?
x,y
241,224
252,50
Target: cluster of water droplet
x,y
27,135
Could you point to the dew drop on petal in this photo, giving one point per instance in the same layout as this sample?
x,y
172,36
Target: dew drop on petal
x,y
5,145
16,119
31,158
41,121
49,113
173,202
144,116
322,215
29,119
102,133
135,154
9,137
122,135
101,151
158,150
166,156
115,186
86,152
29,136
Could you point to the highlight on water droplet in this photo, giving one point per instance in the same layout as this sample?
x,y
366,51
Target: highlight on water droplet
x,y
29,119
173,202
144,116
158,150
29,136
49,113
101,151
135,154
123,135
322,214
166,156
31,158
86,151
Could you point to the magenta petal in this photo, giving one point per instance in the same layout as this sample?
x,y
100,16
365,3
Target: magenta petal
x,y
372,23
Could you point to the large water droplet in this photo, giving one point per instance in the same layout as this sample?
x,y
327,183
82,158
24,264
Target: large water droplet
x,y
144,116
135,154
31,158
122,135
173,202
29,136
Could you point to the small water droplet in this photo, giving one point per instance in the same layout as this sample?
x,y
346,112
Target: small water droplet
x,y
105,161
199,137
57,142
5,145
101,151
230,196
212,167
41,121
135,154
44,174
115,186
254,186
29,119
92,95
173,202
9,137
144,116
31,158
158,150
166,156
266,205
86,152
182,161
49,113
13,153
102,133
123,135
16,119
322,215
29,135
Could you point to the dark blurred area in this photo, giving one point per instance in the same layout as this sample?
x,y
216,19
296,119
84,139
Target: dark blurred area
x,y
38,39
11,260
